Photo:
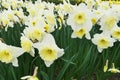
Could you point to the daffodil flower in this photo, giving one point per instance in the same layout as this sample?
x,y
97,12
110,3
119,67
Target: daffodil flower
x,y
51,21
90,3
116,33
48,50
81,32
108,21
103,41
48,28
113,69
26,44
37,21
79,17
80,21
9,54
34,33
66,7
33,77
106,66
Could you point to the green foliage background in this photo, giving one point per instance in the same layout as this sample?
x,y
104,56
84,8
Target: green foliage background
x,y
80,61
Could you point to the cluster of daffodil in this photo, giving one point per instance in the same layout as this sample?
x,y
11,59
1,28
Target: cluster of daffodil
x,y
42,18
82,19
35,35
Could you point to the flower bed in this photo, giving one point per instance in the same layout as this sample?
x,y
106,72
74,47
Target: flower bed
x,y
59,41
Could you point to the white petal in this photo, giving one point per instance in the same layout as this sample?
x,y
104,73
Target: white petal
x,y
17,51
37,45
25,77
60,53
6,28
100,49
48,63
2,45
73,35
15,62
87,36
32,52
48,40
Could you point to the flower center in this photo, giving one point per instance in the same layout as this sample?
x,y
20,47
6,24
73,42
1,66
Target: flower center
x,y
5,56
110,22
80,18
103,43
48,54
116,34
80,33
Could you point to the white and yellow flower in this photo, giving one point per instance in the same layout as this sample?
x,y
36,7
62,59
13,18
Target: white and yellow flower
x,y
13,4
5,4
31,9
48,6
50,18
10,15
90,3
66,7
37,21
108,21
116,33
20,15
103,41
81,16
96,16
39,5
106,66
34,33
26,44
48,50
9,54
5,21
33,77
61,19
113,69
116,10
48,28
83,31
34,9
103,5
6,16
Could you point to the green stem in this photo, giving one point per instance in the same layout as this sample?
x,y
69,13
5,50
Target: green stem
x,y
13,73
64,69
